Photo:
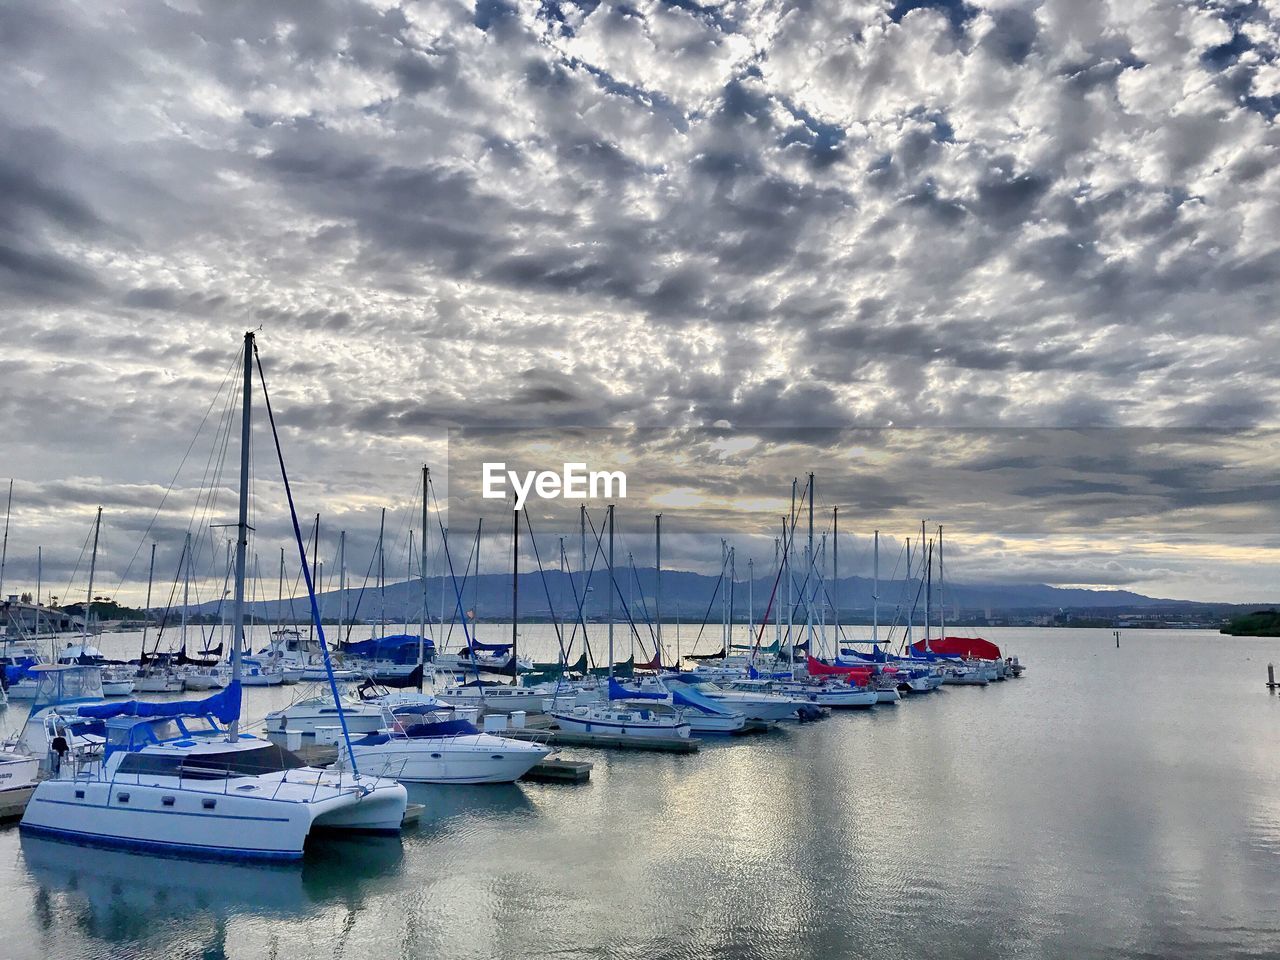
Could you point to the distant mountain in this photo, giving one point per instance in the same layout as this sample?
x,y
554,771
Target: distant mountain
x,y
693,596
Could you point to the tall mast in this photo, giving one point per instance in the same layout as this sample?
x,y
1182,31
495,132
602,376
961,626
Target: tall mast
x,y
422,631
93,565
4,547
151,572
279,617
39,584
911,607
751,606
515,591
315,560
777,620
612,583
811,570
242,528
382,576
186,586
875,591
582,541
342,582
928,592
408,576
657,598
835,576
942,597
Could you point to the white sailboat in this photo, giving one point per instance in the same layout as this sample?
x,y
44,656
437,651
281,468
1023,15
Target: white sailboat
x,y
172,778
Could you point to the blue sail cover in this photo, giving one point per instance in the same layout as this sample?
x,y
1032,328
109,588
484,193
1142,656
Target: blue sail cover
x,y
490,647
401,648
13,672
618,692
689,697
223,705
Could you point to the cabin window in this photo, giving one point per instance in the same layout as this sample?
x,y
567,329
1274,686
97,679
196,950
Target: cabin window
x,y
79,794
122,798
208,804
435,756
496,756
268,758
167,801
150,764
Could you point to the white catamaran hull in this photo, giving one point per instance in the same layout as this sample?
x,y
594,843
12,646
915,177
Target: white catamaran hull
x,y
216,822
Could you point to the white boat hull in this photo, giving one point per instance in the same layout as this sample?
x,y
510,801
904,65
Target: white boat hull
x,y
478,758
117,688
309,721
214,822
606,728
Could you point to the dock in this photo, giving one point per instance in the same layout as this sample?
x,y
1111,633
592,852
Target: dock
x,y
560,771
559,738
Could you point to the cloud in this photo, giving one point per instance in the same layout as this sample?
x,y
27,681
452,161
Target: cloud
x,y
821,214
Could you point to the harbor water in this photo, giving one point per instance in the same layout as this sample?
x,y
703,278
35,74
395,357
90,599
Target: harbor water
x,y
1113,803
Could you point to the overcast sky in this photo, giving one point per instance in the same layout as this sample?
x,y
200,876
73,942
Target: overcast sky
x,y
722,219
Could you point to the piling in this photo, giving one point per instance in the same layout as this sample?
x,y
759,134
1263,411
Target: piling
x,y
1271,677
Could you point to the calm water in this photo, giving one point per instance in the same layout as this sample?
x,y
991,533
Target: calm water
x,y
1109,804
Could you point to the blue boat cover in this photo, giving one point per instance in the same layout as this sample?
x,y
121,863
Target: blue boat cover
x,y
689,697
618,692
16,671
223,705
491,647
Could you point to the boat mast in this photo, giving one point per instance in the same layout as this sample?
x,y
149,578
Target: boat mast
x,y
146,622
657,598
911,607
421,638
408,576
382,577
93,565
515,593
875,592
39,586
942,597
242,529
186,585
342,583
751,607
835,576
4,547
811,567
926,557
611,584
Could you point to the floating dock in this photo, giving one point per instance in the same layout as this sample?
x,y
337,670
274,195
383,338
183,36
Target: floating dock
x,y
560,771
559,738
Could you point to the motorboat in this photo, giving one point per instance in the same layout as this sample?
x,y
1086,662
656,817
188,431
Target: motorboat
x,y
308,716
53,731
425,743
497,697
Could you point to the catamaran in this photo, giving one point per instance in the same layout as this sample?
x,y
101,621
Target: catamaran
x,y
181,777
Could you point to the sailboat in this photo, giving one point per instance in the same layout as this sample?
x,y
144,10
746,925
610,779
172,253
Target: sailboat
x,y
181,778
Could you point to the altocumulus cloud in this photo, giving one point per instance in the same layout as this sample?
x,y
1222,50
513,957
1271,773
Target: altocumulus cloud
x,y
829,213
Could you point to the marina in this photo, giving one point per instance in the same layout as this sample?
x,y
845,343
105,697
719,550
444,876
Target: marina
x,y
955,800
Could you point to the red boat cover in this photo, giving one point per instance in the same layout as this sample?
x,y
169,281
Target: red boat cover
x,y
858,676
961,647
654,664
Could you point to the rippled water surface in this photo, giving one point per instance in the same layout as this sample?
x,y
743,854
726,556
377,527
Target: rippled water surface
x,y
1109,804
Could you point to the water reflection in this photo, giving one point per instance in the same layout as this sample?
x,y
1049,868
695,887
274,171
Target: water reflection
x,y
118,896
